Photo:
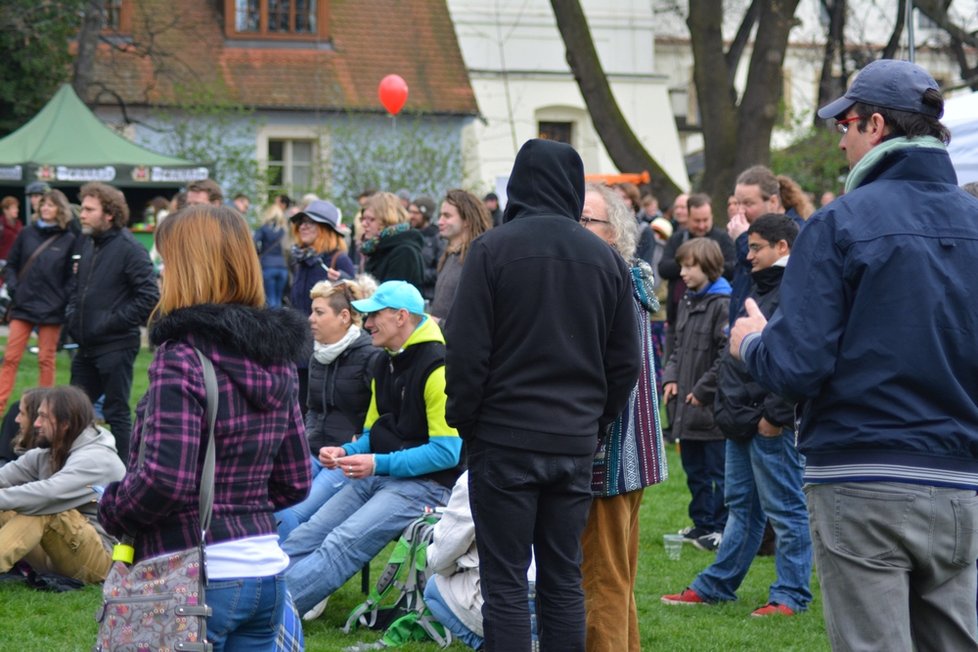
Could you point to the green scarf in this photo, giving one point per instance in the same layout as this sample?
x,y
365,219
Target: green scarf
x,y
370,246
875,155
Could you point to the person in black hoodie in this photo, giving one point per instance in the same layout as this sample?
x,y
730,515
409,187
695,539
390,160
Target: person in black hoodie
x,y
543,352
112,293
763,467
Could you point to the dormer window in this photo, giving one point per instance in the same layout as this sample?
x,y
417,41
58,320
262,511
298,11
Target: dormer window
x,y
276,19
118,16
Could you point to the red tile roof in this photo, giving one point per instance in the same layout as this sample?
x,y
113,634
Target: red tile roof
x,y
180,44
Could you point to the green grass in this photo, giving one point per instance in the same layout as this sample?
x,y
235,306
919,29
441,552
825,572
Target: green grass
x,y
33,621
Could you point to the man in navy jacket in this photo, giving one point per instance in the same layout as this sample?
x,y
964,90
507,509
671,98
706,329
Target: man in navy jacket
x,y
877,336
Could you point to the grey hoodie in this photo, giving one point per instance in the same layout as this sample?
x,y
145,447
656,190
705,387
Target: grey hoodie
x,y
27,485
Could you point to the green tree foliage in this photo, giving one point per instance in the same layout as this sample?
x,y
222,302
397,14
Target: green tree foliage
x,y
34,37
814,161
208,128
381,153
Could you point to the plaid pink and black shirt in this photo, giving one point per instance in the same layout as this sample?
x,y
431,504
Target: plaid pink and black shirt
x,y
262,456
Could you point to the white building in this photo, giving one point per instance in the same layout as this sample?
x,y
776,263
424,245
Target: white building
x,y
523,85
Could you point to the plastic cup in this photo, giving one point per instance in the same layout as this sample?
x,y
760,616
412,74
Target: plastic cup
x,y
673,544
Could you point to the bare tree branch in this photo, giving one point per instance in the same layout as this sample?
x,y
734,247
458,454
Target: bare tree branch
x,y
740,41
624,147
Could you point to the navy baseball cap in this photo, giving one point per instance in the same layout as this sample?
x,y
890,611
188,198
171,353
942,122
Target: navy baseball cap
x,y
888,83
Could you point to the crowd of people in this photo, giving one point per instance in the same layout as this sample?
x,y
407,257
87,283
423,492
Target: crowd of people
x,y
522,369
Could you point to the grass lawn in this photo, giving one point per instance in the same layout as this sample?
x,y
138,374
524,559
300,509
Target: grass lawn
x,y
40,622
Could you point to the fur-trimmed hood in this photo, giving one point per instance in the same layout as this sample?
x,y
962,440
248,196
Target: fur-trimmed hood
x,y
265,335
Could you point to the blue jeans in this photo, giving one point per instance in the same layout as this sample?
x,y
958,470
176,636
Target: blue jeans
x,y
325,484
275,279
444,615
350,529
703,464
247,613
763,481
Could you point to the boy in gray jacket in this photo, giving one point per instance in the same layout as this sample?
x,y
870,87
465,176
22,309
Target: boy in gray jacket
x,y
690,377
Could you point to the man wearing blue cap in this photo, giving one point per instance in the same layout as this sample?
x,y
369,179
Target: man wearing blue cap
x,y
876,338
406,459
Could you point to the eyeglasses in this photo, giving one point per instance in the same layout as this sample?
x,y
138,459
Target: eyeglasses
x,y
587,220
754,248
842,126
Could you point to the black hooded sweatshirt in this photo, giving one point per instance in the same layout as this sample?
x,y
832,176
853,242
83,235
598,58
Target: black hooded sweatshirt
x,y
542,343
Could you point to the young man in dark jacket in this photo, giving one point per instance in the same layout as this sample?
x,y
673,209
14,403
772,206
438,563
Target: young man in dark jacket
x,y
542,355
113,291
876,336
763,468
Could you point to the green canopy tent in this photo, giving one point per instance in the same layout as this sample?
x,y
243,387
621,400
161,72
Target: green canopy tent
x,y
65,144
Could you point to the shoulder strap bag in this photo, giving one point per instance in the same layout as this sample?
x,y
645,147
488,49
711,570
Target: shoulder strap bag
x,y
158,604
22,273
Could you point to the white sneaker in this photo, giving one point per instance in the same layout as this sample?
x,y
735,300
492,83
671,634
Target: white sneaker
x,y
316,611
709,542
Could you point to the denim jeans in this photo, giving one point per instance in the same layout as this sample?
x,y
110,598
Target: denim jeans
x,y
763,481
703,464
350,529
443,614
246,613
521,498
896,565
325,484
275,279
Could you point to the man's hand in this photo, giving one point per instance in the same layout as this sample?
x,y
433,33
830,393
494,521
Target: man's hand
x,y
668,391
767,429
358,466
329,456
754,322
692,400
737,226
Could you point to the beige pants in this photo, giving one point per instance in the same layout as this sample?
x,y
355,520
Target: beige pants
x,y
71,546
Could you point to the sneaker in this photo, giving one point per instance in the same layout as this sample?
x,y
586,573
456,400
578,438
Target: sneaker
x,y
691,533
687,597
708,542
316,611
773,609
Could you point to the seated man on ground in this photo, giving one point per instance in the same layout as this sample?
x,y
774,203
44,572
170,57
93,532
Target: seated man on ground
x,y
406,459
48,501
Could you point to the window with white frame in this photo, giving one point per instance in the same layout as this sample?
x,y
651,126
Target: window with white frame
x,y
290,165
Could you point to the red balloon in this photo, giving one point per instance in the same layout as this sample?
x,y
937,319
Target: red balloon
x,y
393,93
